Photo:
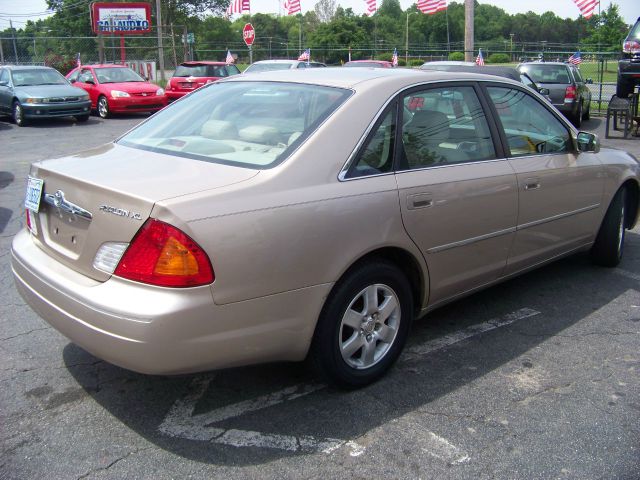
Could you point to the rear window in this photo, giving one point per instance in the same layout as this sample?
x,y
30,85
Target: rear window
x,y
206,70
541,73
248,124
363,64
634,34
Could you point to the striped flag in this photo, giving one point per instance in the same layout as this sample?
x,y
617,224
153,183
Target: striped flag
x,y
394,57
576,58
292,7
480,59
586,7
306,55
229,60
372,7
431,6
239,6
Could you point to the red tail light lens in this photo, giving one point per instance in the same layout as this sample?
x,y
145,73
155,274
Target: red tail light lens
x,y
162,255
631,46
570,93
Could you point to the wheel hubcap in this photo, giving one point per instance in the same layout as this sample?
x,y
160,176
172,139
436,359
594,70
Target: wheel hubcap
x,y
369,326
103,107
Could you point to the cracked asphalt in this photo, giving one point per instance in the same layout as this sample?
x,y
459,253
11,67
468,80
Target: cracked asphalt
x,y
550,394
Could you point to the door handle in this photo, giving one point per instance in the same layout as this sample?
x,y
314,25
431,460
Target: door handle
x,y
532,184
420,200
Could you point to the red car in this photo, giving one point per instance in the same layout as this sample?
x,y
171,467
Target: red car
x,y
192,75
117,89
369,63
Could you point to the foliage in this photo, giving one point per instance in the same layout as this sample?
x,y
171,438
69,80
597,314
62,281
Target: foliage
x,y
498,58
456,56
325,10
63,64
612,29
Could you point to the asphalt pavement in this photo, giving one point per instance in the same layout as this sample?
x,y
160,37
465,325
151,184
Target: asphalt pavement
x,y
536,378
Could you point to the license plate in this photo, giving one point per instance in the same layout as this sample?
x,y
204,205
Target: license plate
x,y
34,193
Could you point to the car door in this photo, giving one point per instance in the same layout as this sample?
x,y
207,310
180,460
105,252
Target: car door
x,y
6,91
560,189
457,192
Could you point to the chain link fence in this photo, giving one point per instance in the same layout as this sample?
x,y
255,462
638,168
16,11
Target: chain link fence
x,y
599,66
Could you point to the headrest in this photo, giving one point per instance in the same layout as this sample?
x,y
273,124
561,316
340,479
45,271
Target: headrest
x,y
429,123
260,134
219,130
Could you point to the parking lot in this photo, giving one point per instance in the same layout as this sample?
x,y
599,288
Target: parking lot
x,y
538,377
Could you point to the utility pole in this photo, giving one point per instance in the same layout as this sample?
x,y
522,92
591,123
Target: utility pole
x,y
160,49
468,30
1,52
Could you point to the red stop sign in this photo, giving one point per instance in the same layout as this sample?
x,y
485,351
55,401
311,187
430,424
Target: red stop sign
x,y
248,34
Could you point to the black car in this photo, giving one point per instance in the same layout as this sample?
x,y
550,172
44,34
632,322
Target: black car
x,y
629,64
568,91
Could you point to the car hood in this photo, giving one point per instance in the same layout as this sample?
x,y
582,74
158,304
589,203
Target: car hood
x,y
132,87
49,91
113,190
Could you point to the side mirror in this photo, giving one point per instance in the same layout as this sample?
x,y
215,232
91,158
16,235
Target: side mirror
x,y
90,80
588,142
4,83
589,81
73,80
543,91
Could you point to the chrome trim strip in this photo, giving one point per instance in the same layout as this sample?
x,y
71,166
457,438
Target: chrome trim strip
x,y
558,217
58,201
469,241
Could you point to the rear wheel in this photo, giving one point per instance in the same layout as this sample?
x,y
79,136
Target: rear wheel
x,y
609,244
103,107
577,119
587,113
18,114
363,326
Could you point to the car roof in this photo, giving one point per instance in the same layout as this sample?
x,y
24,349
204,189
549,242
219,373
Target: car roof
x,y
203,62
352,78
450,62
104,65
277,61
507,72
368,61
26,67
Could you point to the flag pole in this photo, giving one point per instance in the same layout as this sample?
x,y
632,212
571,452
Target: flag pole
x,y
446,13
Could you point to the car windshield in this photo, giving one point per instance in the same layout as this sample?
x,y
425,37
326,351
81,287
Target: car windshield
x,y
44,76
541,73
248,124
117,75
267,67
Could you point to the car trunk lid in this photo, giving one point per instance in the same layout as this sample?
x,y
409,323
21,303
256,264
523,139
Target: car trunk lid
x,y
106,194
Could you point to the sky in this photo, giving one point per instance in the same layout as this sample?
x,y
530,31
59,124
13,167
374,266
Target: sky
x,y
22,10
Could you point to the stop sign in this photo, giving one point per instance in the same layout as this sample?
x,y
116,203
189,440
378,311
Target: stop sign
x,y
249,34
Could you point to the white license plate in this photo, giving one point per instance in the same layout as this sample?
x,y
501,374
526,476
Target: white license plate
x,y
34,193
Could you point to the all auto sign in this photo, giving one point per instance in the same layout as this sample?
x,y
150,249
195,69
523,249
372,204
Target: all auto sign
x,y
121,18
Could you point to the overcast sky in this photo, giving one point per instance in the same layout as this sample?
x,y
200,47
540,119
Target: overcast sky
x,y
629,9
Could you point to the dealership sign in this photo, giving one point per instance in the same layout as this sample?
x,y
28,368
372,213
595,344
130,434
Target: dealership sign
x,y
121,18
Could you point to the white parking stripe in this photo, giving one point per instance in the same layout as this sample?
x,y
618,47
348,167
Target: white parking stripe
x,y
418,351
182,423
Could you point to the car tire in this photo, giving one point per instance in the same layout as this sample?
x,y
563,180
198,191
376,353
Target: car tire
x,y
18,114
363,326
103,107
608,247
623,88
587,114
577,118
82,118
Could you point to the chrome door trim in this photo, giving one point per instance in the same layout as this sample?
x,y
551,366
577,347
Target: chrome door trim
x,y
558,217
469,241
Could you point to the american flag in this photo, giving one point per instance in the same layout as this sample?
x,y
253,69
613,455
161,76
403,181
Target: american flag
x,y
480,59
394,57
78,62
229,58
371,7
576,59
292,7
586,7
306,55
238,6
431,6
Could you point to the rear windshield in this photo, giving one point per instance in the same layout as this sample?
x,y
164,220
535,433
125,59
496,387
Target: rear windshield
x,y
541,73
635,31
40,76
117,75
267,67
205,70
248,124
363,64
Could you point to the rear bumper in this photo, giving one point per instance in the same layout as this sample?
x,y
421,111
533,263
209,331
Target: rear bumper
x,y
138,104
176,94
628,69
161,330
45,110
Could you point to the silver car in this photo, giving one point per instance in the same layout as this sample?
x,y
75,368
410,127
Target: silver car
x,y
311,214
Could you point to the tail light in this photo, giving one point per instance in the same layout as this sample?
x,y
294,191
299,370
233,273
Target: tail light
x,y
631,46
162,255
570,94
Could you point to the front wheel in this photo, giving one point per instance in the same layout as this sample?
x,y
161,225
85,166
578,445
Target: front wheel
x,y
103,107
18,114
609,244
363,326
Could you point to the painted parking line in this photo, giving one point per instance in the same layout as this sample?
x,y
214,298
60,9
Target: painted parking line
x,y
181,422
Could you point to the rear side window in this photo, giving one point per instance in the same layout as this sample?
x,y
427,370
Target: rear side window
x,y
377,154
530,128
248,124
4,75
